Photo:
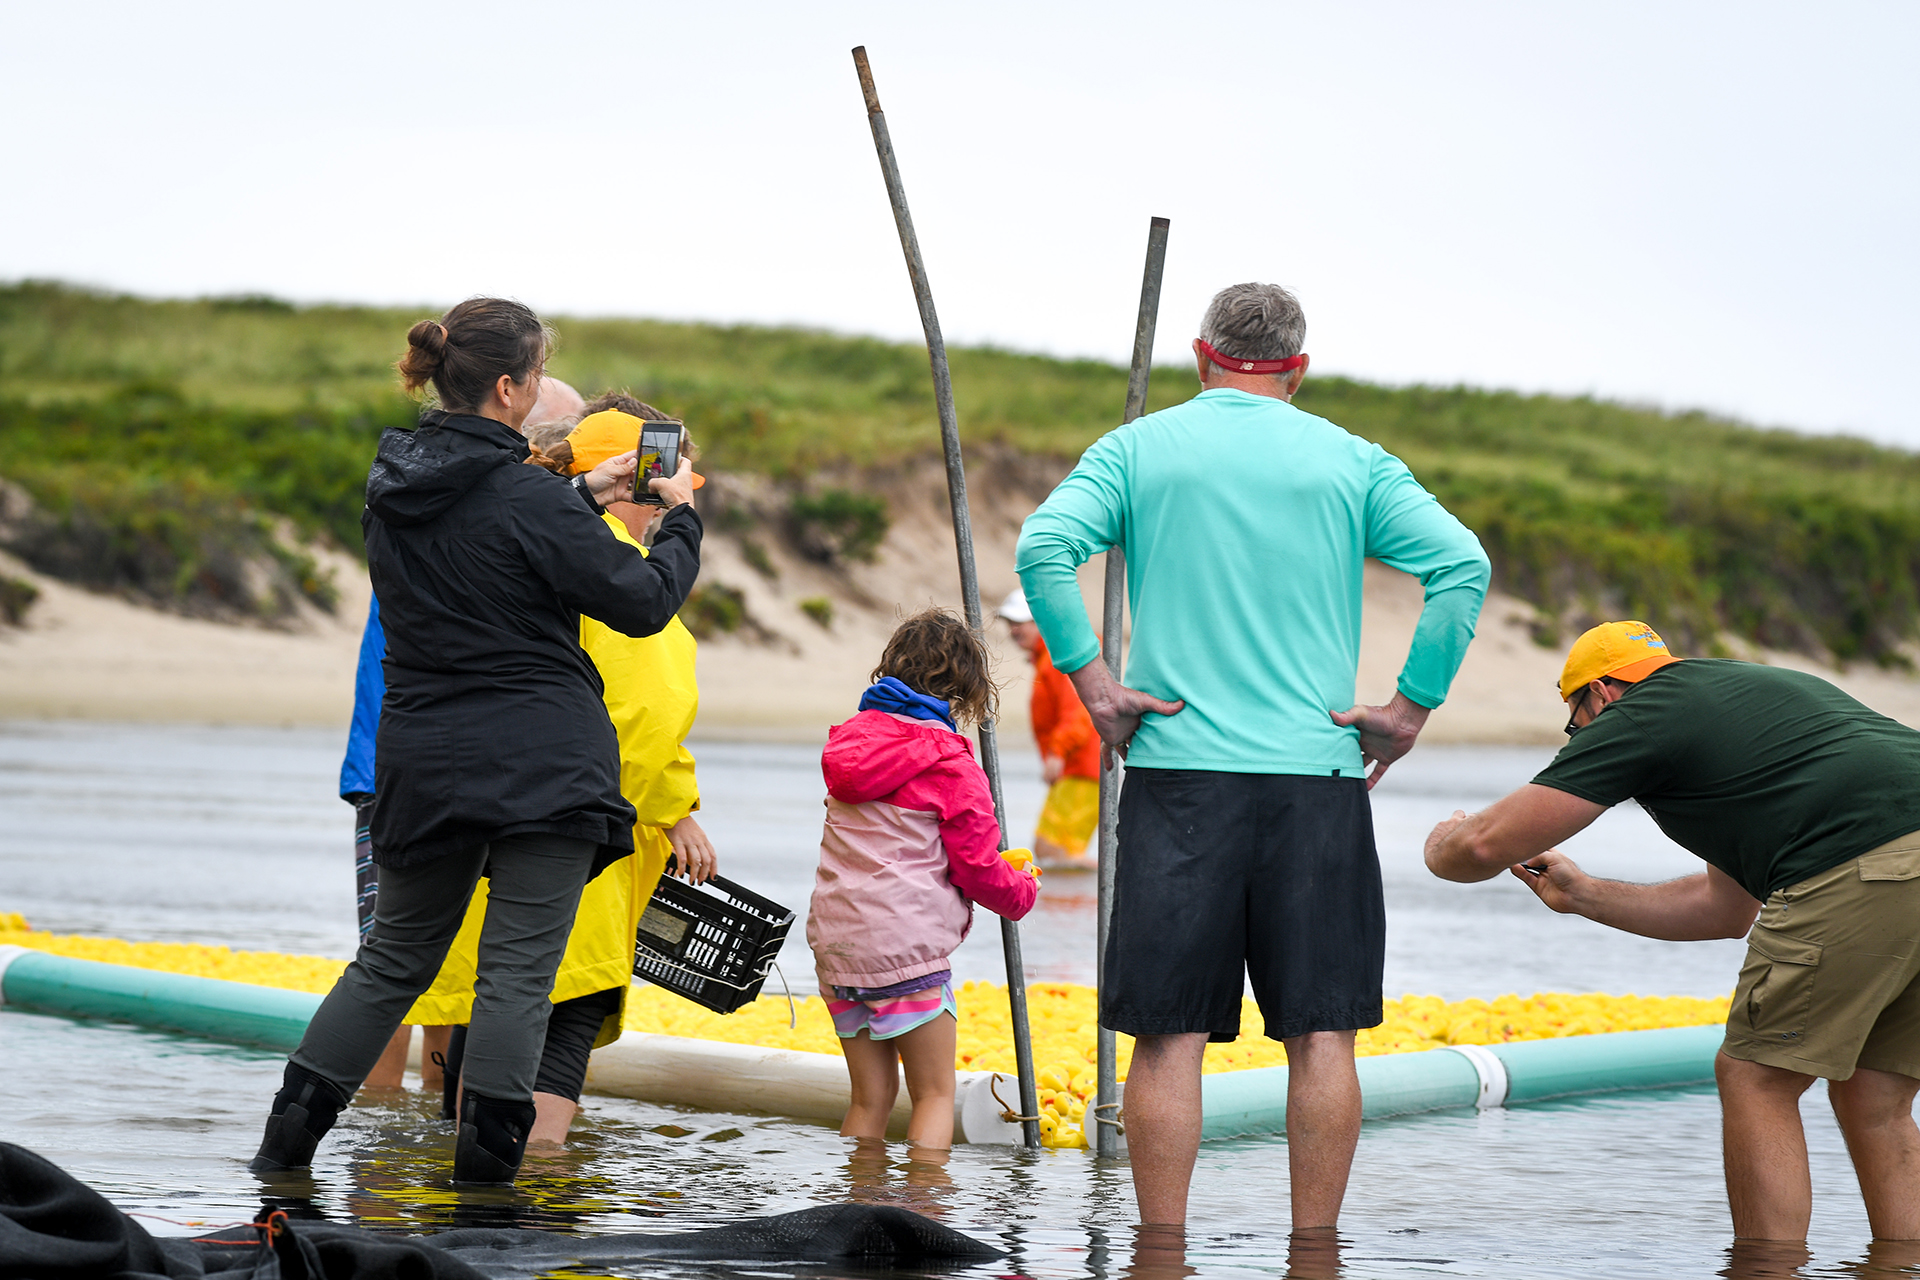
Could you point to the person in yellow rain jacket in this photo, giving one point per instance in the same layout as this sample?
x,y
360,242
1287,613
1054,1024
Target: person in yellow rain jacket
x,y
652,698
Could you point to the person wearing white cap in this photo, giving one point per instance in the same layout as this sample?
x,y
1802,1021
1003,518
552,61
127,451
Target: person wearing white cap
x,y
1069,749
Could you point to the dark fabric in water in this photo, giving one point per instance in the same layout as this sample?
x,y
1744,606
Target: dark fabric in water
x,y
849,1234
54,1227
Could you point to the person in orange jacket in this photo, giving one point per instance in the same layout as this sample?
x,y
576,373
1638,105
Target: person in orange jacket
x,y
1069,750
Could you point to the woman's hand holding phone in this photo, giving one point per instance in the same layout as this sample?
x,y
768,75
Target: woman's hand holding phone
x,y
674,489
612,480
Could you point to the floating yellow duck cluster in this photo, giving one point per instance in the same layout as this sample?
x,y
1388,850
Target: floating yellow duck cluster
x,y
261,968
1061,1015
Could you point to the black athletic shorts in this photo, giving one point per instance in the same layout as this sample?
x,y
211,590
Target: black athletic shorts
x,y
1270,875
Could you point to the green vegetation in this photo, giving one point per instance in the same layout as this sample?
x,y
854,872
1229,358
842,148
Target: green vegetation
x,y
839,524
16,597
181,504
225,415
713,608
756,555
777,401
1700,525
820,609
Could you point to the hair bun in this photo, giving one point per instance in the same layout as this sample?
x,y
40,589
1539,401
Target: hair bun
x,y
426,352
429,336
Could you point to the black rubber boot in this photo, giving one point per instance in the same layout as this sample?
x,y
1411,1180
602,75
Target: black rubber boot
x,y
303,1111
450,1066
492,1141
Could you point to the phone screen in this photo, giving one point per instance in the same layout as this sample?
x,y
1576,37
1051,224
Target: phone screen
x,y
659,456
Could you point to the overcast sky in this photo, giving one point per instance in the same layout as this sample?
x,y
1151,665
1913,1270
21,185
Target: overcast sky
x,y
1694,205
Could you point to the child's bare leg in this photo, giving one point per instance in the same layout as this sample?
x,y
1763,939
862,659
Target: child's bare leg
x,y
875,1071
869,1168
927,1054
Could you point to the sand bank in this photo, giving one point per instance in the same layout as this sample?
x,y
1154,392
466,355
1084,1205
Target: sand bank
x,y
786,675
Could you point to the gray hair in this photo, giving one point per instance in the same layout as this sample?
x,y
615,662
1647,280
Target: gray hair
x,y
545,435
1255,322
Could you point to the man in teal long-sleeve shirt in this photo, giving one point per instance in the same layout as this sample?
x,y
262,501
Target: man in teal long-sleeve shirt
x,y
1246,839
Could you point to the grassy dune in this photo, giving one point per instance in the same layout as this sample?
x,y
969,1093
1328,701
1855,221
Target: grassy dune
x,y
219,414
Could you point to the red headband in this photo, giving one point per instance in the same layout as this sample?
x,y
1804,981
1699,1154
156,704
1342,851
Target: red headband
x,y
1234,364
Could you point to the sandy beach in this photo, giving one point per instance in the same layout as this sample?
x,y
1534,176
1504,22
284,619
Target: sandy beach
x,y
785,675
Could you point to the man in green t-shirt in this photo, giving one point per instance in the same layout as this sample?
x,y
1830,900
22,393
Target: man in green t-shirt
x,y
1798,797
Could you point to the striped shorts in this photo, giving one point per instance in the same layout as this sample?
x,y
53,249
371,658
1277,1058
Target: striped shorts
x,y
883,1019
366,876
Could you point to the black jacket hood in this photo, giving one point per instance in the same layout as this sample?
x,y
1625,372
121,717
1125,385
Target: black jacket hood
x,y
418,474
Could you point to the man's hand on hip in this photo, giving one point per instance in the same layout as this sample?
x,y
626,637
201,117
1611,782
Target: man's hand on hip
x,y
1116,709
1386,733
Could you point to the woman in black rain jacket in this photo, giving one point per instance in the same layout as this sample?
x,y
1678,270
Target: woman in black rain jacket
x,y
495,755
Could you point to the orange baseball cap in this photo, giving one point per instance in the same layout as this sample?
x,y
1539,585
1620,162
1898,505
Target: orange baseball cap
x,y
1628,651
604,435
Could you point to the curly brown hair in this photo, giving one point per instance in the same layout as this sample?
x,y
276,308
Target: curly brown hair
x,y
550,450
936,653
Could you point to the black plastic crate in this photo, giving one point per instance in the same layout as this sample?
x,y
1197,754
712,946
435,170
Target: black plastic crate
x,y
713,948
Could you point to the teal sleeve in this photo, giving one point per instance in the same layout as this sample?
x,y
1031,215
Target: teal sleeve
x,y
1079,519
1409,530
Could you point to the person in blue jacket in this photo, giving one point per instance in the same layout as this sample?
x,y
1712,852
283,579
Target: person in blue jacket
x,y
356,788
356,771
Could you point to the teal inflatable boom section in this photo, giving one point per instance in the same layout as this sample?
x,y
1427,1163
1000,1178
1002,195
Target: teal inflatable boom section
x,y
1240,1103
1234,1103
234,1012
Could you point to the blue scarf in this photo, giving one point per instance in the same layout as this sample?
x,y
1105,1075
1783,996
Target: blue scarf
x,y
892,695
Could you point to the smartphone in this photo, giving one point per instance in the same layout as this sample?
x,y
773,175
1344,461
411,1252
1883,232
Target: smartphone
x,y
659,456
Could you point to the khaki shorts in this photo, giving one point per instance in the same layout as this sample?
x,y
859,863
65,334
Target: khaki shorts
x,y
1829,981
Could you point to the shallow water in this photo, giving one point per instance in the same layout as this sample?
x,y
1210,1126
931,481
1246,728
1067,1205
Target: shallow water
x,y
234,835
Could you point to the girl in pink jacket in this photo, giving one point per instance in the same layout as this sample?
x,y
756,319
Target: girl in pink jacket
x,y
910,845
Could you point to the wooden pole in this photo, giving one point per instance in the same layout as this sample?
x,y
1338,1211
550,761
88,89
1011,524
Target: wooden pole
x,y
1106,1135
969,577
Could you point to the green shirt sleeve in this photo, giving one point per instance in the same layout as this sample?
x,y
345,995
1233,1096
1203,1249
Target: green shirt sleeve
x,y
1409,530
1084,515
1611,760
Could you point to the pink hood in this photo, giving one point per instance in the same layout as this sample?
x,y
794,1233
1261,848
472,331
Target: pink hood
x,y
910,843
876,753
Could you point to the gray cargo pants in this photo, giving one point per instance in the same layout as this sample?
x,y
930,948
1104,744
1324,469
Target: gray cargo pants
x,y
534,891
